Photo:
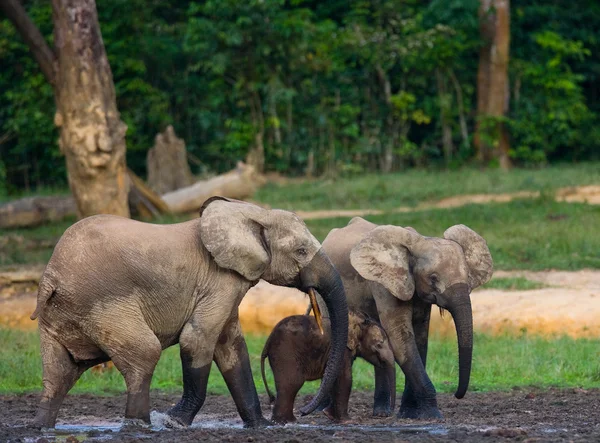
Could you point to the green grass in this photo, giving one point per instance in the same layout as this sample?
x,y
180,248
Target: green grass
x,y
500,363
386,191
513,284
532,234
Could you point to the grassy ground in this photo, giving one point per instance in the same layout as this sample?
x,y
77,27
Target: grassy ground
x,y
529,234
415,186
500,363
513,284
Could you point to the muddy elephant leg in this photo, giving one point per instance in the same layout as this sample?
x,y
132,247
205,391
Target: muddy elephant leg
x,y
196,352
383,403
420,320
231,356
60,373
136,356
338,409
396,318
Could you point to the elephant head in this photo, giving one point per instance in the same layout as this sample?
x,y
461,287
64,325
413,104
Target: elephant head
x,y
442,271
277,246
368,340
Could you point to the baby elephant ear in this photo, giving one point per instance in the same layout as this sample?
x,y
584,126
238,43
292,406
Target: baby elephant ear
x,y
233,234
382,256
477,253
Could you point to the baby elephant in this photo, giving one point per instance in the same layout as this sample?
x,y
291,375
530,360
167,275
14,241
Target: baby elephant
x,y
298,351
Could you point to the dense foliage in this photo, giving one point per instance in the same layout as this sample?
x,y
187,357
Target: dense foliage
x,y
330,87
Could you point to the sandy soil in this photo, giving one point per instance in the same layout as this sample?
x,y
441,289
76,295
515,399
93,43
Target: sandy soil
x,y
520,415
569,305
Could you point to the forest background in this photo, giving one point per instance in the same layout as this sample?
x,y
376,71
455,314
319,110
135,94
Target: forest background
x,y
323,88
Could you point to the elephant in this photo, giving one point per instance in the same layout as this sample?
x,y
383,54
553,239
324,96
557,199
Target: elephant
x,y
297,352
123,290
394,275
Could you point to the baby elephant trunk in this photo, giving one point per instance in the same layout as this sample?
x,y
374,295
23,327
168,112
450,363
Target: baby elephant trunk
x,y
320,274
460,309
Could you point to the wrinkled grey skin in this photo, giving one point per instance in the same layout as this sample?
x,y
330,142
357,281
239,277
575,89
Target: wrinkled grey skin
x,y
121,290
394,275
297,352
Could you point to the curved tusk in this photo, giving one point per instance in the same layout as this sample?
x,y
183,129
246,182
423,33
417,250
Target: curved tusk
x,y
315,308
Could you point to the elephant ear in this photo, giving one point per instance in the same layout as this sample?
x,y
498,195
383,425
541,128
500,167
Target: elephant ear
x,y
477,253
354,331
383,256
232,232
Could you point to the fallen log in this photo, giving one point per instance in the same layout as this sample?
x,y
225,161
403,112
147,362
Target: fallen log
x,y
238,183
33,211
143,201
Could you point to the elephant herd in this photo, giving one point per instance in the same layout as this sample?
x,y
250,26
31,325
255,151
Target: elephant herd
x,y
122,290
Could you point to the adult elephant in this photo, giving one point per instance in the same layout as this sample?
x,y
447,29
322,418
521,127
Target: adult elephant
x,y
121,290
394,274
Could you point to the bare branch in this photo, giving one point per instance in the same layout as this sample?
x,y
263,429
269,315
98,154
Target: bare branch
x,y
32,36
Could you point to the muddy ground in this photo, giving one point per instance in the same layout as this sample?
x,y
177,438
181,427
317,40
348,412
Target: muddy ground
x,y
520,415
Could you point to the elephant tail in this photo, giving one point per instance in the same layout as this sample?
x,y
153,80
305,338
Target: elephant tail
x,y
45,291
263,357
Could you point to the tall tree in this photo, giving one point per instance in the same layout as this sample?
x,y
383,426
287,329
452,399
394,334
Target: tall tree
x,y
92,135
491,137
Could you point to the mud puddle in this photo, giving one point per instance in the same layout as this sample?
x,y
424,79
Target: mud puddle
x,y
532,415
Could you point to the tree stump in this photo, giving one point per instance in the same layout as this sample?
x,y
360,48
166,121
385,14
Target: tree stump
x,y
168,168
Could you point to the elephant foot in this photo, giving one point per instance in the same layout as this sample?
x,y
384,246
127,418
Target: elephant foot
x,y
260,423
425,412
130,424
342,419
283,419
382,411
179,416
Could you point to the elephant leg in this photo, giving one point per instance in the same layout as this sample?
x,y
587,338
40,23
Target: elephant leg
x,y
287,386
338,409
382,399
420,320
196,352
60,373
396,318
231,356
136,357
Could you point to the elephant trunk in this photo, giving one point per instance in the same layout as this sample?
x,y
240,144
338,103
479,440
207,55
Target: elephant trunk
x,y
460,309
320,274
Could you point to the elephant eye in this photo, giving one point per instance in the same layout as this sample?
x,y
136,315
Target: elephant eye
x,y
434,278
303,252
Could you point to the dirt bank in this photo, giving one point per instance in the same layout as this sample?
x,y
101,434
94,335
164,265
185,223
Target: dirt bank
x,y
520,415
569,305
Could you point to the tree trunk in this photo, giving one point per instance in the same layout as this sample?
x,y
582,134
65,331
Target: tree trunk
x,y
444,99
34,39
387,158
168,168
256,155
239,183
486,31
464,130
492,82
92,136
499,87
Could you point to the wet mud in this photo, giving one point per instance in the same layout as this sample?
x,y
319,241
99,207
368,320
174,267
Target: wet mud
x,y
520,415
